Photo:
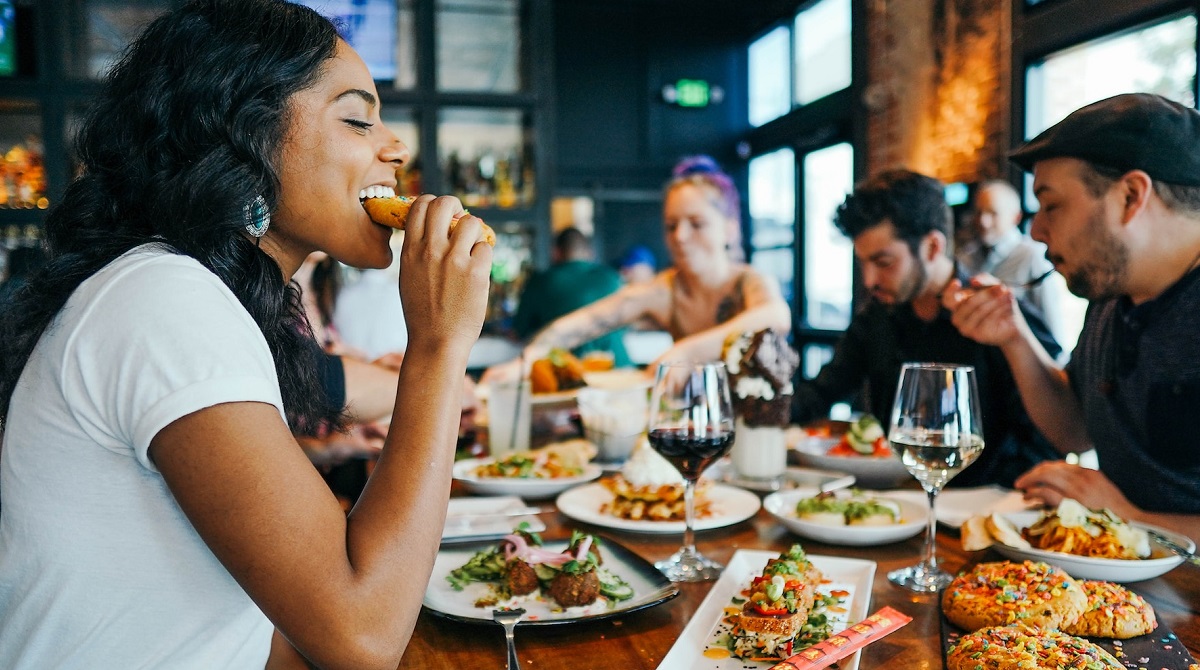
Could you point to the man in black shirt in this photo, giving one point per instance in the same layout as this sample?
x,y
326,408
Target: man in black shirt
x,y
1118,183
900,225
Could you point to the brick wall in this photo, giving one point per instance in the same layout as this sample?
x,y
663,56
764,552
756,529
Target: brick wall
x,y
937,96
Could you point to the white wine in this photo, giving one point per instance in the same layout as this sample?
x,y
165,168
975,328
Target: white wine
x,y
931,460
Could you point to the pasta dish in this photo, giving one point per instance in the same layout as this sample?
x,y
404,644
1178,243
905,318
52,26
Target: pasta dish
x,y
1075,529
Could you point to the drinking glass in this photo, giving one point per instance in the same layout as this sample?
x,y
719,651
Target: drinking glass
x,y
691,425
936,431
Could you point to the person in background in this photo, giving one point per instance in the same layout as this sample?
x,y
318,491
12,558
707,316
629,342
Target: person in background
x,y
637,266
700,301
158,511
23,262
1000,249
1118,182
367,315
900,226
574,280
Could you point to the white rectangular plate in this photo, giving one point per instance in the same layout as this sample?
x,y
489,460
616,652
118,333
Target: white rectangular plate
x,y
847,574
466,520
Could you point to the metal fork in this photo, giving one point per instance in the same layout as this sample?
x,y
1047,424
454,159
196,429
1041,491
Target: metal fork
x,y
1036,280
1173,546
509,619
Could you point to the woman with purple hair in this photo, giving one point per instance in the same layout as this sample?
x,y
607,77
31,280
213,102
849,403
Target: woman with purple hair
x,y
703,298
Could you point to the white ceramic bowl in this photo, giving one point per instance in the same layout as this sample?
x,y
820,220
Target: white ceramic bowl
x,y
782,506
529,489
1107,569
870,471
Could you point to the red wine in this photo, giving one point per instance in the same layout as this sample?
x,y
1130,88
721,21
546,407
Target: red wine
x,y
690,454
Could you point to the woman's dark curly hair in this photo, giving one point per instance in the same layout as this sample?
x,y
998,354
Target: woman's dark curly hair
x,y
188,129
914,203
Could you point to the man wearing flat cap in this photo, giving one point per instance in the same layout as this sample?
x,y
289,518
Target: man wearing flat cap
x,y
1118,183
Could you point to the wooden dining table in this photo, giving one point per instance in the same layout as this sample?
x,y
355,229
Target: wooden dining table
x,y
641,640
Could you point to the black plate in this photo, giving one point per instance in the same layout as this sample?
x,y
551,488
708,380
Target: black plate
x,y
1160,648
651,587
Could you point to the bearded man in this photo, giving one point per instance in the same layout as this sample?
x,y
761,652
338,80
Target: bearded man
x,y
1118,183
900,226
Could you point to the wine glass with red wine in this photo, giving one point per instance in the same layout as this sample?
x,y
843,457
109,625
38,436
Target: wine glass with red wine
x,y
691,425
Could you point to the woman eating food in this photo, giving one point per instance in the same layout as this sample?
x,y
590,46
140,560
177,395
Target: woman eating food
x,y
700,301
157,510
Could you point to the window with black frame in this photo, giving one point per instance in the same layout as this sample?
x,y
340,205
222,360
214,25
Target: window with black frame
x,y
796,185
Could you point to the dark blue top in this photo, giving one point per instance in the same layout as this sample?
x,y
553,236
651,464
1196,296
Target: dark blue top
x,y
1136,371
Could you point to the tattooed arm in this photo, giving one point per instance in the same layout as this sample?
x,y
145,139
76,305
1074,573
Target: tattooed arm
x,y
651,299
762,307
602,317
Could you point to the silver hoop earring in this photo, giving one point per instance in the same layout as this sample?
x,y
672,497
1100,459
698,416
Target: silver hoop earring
x,y
256,216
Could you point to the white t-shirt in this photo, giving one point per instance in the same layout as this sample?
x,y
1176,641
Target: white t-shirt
x,y
99,567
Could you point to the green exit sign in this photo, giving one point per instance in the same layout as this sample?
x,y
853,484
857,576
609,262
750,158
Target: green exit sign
x,y
692,93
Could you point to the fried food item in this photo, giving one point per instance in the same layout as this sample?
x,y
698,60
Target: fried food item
x,y
393,213
995,594
653,503
574,590
542,378
559,371
520,577
1113,611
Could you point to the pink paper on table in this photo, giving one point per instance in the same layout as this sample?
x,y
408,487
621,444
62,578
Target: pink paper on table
x,y
850,640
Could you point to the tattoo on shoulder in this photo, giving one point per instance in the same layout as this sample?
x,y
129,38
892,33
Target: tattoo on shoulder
x,y
732,304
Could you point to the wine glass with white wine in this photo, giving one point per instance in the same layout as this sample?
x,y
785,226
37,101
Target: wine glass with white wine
x,y
937,430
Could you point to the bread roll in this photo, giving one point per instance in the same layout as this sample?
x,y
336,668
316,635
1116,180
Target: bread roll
x,y
975,535
393,212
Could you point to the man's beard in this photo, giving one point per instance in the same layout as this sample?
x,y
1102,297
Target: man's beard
x,y
910,287
1101,274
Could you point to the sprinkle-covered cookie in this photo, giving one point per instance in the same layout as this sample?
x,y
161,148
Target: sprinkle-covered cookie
x,y
1113,611
994,594
1019,647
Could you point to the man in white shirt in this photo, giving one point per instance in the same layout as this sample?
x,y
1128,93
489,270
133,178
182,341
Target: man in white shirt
x,y
1000,249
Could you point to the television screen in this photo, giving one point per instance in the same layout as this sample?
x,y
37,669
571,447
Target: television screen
x,y
8,39
367,25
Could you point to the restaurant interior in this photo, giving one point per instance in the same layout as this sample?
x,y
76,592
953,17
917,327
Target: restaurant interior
x,y
543,115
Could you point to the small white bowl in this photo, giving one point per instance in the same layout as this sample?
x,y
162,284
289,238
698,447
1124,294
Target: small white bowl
x,y
782,506
870,471
529,489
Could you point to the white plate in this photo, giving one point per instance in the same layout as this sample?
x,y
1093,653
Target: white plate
x,y
729,505
848,574
955,506
871,471
650,588
471,519
782,506
529,489
1107,569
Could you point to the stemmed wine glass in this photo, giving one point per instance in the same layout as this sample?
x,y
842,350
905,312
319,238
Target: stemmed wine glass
x,y
936,431
691,425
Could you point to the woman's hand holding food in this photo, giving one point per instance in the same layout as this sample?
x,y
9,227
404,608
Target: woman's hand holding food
x,y
445,278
